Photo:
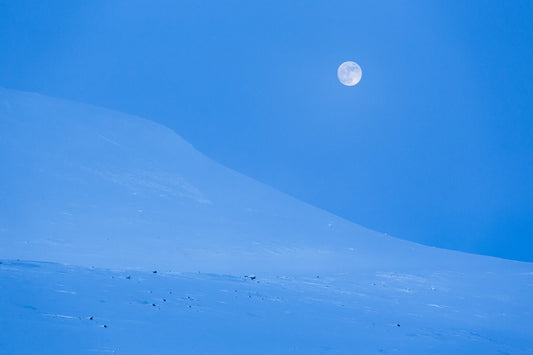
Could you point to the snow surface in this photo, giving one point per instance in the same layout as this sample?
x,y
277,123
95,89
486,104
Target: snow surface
x,y
93,201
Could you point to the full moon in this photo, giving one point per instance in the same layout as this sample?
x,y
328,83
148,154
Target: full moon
x,y
349,73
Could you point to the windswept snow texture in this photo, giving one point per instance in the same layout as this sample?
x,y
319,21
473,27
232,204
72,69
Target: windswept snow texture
x,y
92,202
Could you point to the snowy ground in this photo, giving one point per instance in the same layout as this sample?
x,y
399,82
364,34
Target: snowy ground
x,y
92,202
51,308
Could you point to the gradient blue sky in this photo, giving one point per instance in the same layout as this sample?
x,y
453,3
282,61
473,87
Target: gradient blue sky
x,y
434,145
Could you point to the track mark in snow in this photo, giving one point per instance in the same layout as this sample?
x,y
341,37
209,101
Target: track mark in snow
x,y
64,316
108,140
102,350
437,305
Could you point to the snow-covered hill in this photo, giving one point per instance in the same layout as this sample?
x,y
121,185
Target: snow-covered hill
x,y
93,201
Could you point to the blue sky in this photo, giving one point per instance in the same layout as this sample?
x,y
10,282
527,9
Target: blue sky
x,y
433,145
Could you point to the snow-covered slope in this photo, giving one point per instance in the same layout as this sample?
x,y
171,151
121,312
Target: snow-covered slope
x,y
84,191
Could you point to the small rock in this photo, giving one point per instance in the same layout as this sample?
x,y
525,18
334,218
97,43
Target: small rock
x,y
128,277
155,271
164,299
105,325
153,304
397,325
